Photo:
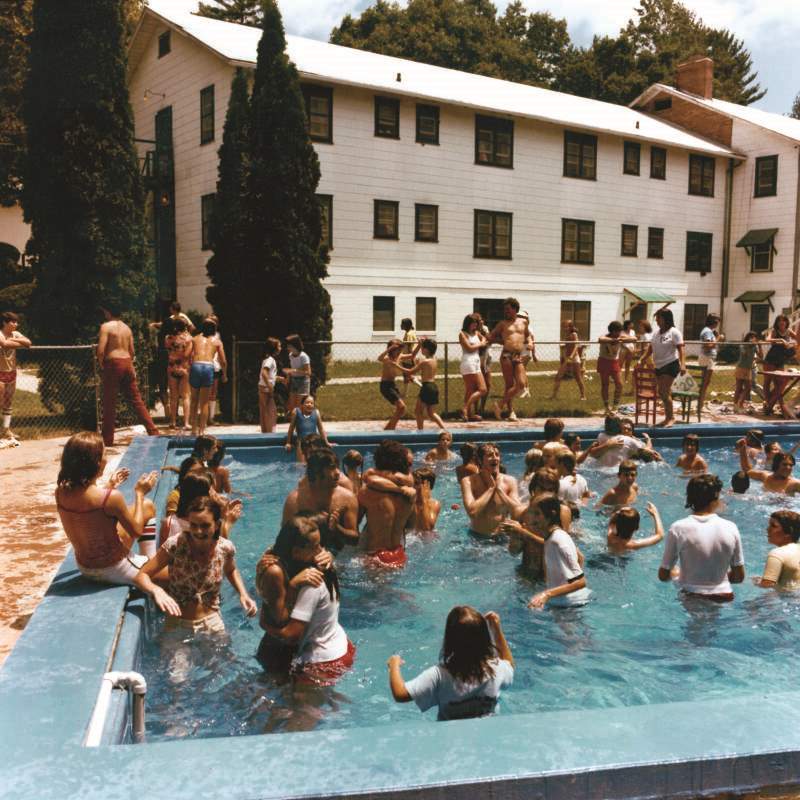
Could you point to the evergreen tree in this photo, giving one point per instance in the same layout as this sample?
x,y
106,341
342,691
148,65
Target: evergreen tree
x,y
15,26
82,192
795,112
228,268
245,12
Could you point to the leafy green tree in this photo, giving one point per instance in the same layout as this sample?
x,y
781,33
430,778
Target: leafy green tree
x,y
462,34
82,192
15,26
245,12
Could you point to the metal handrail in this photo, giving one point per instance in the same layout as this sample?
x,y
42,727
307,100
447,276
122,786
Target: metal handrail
x,y
132,682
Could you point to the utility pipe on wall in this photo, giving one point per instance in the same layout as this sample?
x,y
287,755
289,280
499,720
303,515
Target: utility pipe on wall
x,y
132,682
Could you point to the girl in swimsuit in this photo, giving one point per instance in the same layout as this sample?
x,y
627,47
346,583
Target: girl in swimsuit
x,y
783,342
99,525
179,346
304,421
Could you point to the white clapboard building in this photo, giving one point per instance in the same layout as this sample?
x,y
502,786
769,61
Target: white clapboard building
x,y
444,192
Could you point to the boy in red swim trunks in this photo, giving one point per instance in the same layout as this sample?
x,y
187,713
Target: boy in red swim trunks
x,y
10,341
608,365
387,498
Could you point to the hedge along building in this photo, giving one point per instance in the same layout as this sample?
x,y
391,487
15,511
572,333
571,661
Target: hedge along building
x,y
444,191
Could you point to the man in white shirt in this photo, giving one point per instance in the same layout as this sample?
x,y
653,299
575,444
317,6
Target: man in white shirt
x,y
708,547
710,337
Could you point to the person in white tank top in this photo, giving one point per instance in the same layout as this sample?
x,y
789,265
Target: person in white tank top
x,y
472,340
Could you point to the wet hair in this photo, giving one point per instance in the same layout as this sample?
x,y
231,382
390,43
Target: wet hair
x,y
711,319
318,462
271,346
568,461
202,504
779,457
202,444
406,324
692,438
425,475
534,459
352,459
293,340
469,319
391,456
467,647
428,346
626,521
615,326
194,485
444,435
549,507
772,447
570,438
189,464
756,436
644,455
612,425
8,316
209,327
702,491
544,480
483,449
80,460
178,325
789,521
295,533
175,307
513,302
780,318
667,319
574,509
627,421
311,442
740,482
628,466
219,455
468,452
553,428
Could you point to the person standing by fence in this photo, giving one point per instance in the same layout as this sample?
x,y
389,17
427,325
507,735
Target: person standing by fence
x,y
298,373
115,356
267,378
10,341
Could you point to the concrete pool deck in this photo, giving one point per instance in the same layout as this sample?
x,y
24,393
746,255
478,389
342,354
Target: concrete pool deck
x,y
638,740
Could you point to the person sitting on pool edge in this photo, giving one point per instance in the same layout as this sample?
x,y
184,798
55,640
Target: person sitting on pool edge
x,y
780,480
624,523
489,496
99,525
324,652
197,559
476,663
708,547
782,570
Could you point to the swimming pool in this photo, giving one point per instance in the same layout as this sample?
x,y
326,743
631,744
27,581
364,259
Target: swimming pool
x,y
635,643
743,737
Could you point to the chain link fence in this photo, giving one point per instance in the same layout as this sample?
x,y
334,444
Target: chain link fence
x,y
351,391
58,392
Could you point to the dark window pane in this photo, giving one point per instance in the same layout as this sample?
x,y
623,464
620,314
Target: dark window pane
x,y
207,115
761,257
319,112
701,175
428,124
632,157
426,227
766,176
386,217
580,155
426,314
383,313
387,117
164,44
492,234
579,311
655,243
494,141
658,163
577,241
698,251
630,240
694,320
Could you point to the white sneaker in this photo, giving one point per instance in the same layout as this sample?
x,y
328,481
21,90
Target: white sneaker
x,y
525,393
512,417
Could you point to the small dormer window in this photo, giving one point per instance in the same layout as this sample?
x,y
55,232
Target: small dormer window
x,y
662,104
164,44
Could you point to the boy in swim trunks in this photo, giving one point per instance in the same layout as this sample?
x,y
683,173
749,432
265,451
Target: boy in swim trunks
x,y
410,348
10,341
390,369
201,374
608,365
429,392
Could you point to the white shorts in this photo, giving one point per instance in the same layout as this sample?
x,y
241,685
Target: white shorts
x,y
704,360
120,574
212,623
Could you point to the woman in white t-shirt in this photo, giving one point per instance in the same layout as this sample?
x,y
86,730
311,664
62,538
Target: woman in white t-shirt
x,y
298,373
268,377
472,341
669,356
476,663
324,653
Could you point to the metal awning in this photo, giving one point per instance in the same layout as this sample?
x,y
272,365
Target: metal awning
x,y
649,296
758,236
755,296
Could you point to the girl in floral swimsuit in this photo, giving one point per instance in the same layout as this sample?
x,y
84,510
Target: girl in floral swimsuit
x,y
179,345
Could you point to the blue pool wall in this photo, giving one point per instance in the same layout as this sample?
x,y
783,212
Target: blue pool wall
x,y
49,684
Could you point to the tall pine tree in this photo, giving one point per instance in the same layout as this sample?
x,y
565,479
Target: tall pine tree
x,y
278,287
245,12
82,191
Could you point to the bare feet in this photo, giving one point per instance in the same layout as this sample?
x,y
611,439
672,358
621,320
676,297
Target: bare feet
x,y
512,417
498,414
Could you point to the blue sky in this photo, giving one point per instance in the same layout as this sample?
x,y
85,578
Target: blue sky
x,y
770,30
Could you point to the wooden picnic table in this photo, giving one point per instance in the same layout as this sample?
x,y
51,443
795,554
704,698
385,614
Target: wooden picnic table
x,y
787,381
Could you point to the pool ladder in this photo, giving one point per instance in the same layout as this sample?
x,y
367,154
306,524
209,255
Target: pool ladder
x,y
132,682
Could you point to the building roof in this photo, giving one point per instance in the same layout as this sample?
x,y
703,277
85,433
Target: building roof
x,y
777,123
326,62
757,236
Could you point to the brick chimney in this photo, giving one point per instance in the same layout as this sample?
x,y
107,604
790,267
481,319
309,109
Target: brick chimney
x,y
696,76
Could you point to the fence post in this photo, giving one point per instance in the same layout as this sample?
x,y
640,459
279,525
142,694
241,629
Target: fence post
x,y
96,371
446,379
234,380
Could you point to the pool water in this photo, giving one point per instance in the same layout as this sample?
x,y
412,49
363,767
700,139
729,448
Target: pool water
x,y
634,643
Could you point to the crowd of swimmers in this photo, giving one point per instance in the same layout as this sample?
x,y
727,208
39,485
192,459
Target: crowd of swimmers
x,y
337,506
